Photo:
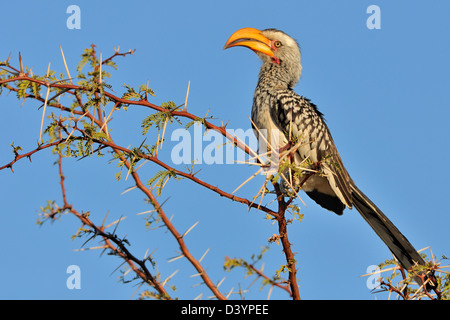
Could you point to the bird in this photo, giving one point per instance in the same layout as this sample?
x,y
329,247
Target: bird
x,y
278,111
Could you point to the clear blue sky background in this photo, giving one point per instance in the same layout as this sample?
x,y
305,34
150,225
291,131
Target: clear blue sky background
x,y
385,94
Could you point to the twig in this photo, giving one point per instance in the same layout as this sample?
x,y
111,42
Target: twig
x,y
173,230
271,281
112,242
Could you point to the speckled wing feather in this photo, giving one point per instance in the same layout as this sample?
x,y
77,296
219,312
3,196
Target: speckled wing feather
x,y
297,114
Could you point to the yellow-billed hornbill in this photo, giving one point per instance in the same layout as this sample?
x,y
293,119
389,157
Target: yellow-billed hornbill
x,y
276,107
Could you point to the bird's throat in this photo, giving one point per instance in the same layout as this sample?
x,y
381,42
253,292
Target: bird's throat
x,y
274,75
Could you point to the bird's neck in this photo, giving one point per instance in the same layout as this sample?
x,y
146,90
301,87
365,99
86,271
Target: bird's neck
x,y
276,76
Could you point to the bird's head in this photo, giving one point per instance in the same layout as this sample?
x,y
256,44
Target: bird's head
x,y
274,47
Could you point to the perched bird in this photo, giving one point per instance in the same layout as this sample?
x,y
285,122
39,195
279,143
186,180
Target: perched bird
x,y
277,108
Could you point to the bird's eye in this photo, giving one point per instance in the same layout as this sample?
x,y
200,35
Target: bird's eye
x,y
277,44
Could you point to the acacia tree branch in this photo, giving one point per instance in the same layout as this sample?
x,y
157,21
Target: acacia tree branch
x,y
122,251
172,229
271,281
190,176
29,154
154,159
75,90
282,229
118,149
112,242
179,238
144,103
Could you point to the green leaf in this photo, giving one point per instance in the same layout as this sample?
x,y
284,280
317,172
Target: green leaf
x,y
160,179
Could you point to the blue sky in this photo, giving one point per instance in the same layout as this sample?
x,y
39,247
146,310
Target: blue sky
x,y
385,95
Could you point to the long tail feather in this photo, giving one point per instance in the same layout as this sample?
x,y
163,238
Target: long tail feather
x,y
397,243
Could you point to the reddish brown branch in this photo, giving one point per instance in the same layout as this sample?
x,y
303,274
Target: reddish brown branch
x,y
117,53
190,176
290,258
272,282
280,215
172,229
29,154
112,242
391,288
144,103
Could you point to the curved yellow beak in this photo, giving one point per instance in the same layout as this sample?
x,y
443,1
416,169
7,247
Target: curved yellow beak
x,y
252,39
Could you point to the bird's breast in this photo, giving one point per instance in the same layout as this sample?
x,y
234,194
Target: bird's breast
x,y
263,122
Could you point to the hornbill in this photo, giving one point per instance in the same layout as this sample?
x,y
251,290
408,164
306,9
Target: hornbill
x,y
276,107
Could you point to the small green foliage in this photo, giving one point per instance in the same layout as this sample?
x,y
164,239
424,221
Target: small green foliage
x,y
170,106
444,284
283,269
87,56
82,231
146,294
160,120
295,210
160,179
16,149
153,220
131,93
202,121
231,263
92,131
196,120
144,89
51,211
22,87
404,284
141,94
157,119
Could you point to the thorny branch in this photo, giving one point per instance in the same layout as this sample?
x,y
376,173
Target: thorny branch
x,y
273,283
96,90
100,120
173,230
403,289
282,229
112,242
